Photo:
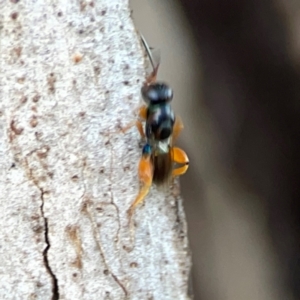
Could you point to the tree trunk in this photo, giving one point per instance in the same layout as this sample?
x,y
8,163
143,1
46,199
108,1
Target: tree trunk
x,y
70,76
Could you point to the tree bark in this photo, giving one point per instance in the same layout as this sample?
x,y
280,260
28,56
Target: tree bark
x,y
70,76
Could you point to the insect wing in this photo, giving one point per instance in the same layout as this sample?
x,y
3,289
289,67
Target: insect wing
x,y
163,166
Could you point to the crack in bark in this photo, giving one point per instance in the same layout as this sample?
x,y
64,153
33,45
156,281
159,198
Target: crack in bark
x,y
112,197
94,231
116,279
55,289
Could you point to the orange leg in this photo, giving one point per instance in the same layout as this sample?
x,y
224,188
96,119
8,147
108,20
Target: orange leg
x,y
178,126
145,175
140,128
180,157
142,113
138,125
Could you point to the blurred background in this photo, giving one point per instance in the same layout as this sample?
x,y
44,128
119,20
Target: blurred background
x,y
234,67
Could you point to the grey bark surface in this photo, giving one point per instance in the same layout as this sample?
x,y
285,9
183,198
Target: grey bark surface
x,y
70,76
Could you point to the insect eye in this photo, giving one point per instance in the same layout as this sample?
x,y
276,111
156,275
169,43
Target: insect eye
x,y
157,93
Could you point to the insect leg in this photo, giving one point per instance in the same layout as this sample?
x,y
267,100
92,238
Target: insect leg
x,y
178,126
142,113
180,157
145,175
140,128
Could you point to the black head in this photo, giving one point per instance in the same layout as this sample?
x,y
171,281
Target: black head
x,y
157,93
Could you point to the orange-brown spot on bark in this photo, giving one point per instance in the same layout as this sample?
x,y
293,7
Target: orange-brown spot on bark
x,y
43,178
126,168
35,217
38,135
38,228
21,79
43,152
77,263
86,203
32,296
46,193
72,232
23,99
74,235
14,15
99,209
17,51
33,121
105,272
133,265
97,70
51,79
75,178
77,57
36,98
14,128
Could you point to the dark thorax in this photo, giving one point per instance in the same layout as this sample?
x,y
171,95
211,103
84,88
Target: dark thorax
x,y
159,123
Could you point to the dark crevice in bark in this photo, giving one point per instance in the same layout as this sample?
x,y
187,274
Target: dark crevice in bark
x,y
55,289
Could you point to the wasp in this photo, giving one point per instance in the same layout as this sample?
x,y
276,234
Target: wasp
x,y
160,158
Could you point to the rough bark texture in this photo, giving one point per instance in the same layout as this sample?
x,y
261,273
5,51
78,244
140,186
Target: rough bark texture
x,y
70,77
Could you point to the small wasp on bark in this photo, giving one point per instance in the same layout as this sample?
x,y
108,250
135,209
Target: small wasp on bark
x,y
159,156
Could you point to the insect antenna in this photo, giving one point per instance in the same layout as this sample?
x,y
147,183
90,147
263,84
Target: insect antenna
x,y
147,48
152,77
